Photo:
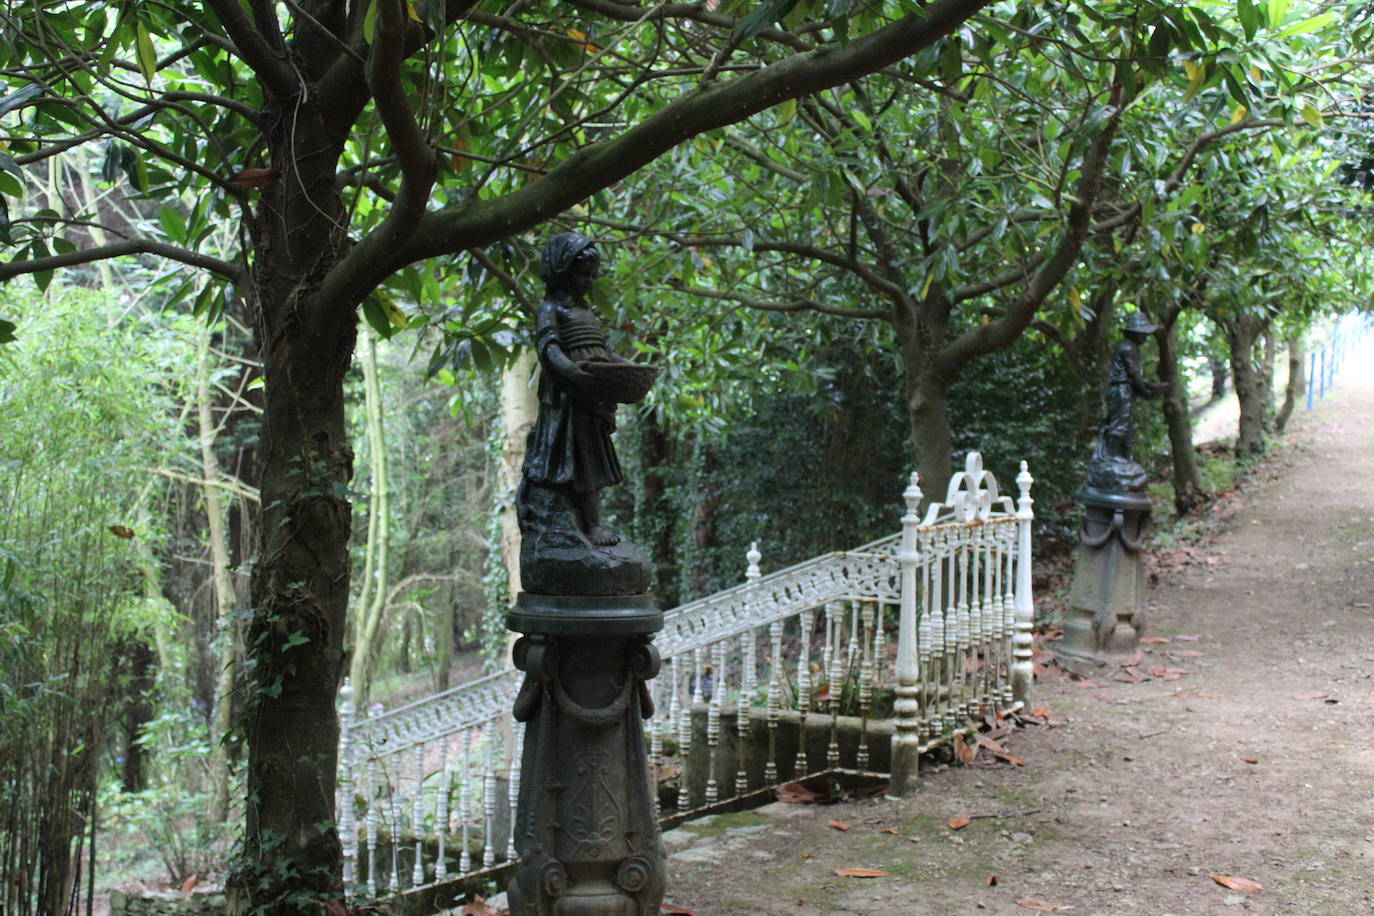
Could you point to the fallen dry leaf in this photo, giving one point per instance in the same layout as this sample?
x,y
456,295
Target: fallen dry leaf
x,y
859,873
962,752
1203,693
1040,906
807,855
1156,670
1089,684
478,907
1154,640
795,793
992,880
1185,653
1042,712
1250,759
891,830
254,178
1131,660
958,822
1238,884
839,825
1363,604
672,909
186,885
1180,636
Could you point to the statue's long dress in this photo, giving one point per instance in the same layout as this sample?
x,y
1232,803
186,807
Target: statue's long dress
x,y
570,444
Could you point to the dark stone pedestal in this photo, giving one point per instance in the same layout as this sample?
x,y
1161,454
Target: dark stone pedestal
x,y
585,826
1106,607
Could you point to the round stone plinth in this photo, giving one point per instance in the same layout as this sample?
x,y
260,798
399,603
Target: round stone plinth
x,y
584,615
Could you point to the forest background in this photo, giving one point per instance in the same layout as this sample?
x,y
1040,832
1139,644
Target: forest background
x,y
271,271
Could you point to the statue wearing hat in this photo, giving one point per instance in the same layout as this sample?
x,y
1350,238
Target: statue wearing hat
x,y
1106,600
1112,469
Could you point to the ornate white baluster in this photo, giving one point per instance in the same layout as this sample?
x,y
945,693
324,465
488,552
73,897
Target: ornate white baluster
x,y
746,697
348,830
834,625
417,816
514,757
394,811
441,811
1008,606
1022,670
866,664
464,801
684,742
803,693
489,797
372,827
713,714
770,769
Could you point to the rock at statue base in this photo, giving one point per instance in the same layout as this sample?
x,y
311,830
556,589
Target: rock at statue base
x,y
550,564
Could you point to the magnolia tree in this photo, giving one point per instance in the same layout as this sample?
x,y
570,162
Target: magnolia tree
x,y
360,148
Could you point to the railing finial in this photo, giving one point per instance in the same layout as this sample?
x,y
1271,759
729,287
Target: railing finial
x,y
753,556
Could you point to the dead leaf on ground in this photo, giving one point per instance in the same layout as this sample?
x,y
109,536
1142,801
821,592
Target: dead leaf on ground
x,y
839,825
1184,653
1042,712
1250,759
891,830
1180,636
672,909
797,794
992,880
1308,696
958,822
1089,684
186,885
1040,906
1363,604
859,873
478,907
1238,884
1154,640
1131,660
807,855
962,752
1210,696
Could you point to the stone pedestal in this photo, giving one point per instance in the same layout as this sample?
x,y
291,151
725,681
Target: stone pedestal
x,y
586,830
1106,607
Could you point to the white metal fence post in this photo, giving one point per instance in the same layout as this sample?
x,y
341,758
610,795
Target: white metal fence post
x,y
906,743
348,831
1022,669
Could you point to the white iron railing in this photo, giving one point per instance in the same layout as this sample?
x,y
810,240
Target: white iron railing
x,y
782,677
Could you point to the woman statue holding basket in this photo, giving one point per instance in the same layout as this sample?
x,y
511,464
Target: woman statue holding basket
x,y
569,457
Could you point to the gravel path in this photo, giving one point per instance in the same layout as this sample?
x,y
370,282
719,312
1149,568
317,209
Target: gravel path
x,y
1251,760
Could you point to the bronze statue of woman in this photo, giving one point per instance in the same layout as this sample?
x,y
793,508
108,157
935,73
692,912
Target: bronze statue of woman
x,y
569,457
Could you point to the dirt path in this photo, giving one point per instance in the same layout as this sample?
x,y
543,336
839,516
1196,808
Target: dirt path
x,y
1256,763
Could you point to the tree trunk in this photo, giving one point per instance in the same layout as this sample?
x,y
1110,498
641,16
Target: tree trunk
x,y
931,436
1242,334
1188,493
1297,381
291,851
1093,354
138,655
1217,366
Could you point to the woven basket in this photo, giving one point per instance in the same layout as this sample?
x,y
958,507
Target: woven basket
x,y
623,383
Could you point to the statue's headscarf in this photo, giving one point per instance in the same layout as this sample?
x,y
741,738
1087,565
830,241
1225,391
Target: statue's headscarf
x,y
559,254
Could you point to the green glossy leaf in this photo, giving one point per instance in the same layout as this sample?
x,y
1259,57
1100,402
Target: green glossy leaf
x,y
143,49
7,329
761,17
1306,26
19,96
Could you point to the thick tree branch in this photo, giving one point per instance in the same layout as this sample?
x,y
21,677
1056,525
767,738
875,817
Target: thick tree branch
x,y
233,272
1002,332
798,304
412,151
269,63
715,105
